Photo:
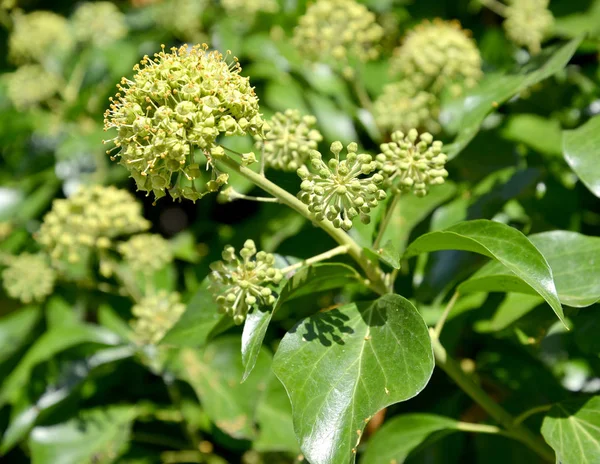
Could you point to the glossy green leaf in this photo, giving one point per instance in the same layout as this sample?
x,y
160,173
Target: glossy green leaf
x,y
215,374
575,262
48,345
200,318
274,419
510,310
581,148
15,328
501,243
587,328
401,435
73,377
307,280
541,134
341,366
465,116
95,435
572,429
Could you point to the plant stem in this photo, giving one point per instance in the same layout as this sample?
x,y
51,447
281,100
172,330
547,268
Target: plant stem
x,y
372,271
440,324
387,219
495,6
530,412
233,195
340,250
497,412
479,428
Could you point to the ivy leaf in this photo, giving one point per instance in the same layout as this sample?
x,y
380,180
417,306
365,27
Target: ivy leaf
x,y
466,115
401,435
200,319
15,329
500,242
513,308
572,429
575,262
215,373
96,435
49,344
311,279
581,149
341,366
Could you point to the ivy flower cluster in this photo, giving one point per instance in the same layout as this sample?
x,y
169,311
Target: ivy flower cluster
x,y
146,252
99,23
412,162
436,57
340,190
528,22
291,138
249,8
338,31
28,277
240,283
155,315
178,102
38,35
31,85
90,219
181,17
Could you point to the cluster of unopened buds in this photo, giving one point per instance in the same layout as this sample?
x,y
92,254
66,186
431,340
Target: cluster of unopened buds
x,y
341,189
146,253
155,315
528,22
291,138
240,283
412,162
177,103
28,277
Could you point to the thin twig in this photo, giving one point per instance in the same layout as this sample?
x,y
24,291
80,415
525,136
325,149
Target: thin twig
x,y
440,324
386,220
340,250
530,412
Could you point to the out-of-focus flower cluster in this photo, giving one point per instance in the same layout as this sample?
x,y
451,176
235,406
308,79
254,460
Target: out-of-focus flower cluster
x,y
99,23
291,138
155,315
146,252
436,57
249,8
90,219
341,189
28,277
240,283
31,85
337,32
176,103
181,17
528,23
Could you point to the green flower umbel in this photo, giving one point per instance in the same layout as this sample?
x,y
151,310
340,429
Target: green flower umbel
x,y
99,23
38,35
156,314
528,22
238,284
437,56
341,189
31,85
291,138
178,102
412,162
28,277
336,32
249,8
89,219
146,252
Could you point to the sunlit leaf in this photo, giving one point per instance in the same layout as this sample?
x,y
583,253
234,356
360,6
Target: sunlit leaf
x,y
581,150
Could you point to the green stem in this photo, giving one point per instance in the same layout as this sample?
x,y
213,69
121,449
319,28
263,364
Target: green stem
x,y
386,220
440,324
530,412
233,195
497,412
478,428
372,271
495,6
340,250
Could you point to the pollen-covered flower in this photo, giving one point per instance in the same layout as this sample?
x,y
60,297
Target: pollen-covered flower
x,y
412,162
28,277
89,219
178,102
528,22
31,85
146,252
100,23
401,107
249,8
338,31
38,35
155,315
437,56
341,189
239,283
291,138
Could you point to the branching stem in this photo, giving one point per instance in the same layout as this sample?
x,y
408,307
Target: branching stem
x,y
340,250
530,412
387,219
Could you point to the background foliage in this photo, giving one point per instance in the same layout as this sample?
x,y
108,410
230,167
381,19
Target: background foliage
x,y
524,146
